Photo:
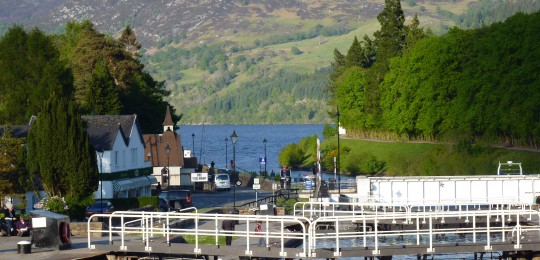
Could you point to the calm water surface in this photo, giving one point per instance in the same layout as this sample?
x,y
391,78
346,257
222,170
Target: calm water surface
x,y
209,143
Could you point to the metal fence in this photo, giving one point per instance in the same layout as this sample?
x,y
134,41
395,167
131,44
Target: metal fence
x,y
364,225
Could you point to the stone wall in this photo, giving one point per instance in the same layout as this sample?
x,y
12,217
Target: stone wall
x,y
80,229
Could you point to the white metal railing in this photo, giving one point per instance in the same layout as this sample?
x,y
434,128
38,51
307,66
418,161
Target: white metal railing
x,y
147,225
417,227
424,227
315,209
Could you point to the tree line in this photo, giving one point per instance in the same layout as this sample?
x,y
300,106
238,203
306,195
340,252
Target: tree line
x,y
477,85
100,74
59,78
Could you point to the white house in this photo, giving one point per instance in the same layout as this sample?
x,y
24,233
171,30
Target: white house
x,y
119,146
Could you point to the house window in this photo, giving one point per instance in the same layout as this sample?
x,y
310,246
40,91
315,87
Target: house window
x,y
133,156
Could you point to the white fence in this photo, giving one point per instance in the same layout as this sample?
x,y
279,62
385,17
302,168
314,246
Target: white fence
x,y
361,226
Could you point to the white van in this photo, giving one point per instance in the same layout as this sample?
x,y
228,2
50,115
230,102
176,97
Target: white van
x,y
222,181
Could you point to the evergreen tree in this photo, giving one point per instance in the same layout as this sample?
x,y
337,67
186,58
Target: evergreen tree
x,y
339,60
137,91
414,33
390,39
129,40
370,50
355,55
60,154
103,95
338,65
30,69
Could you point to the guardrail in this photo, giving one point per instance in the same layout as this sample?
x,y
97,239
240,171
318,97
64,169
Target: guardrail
x,y
315,209
424,228
284,193
148,225
367,225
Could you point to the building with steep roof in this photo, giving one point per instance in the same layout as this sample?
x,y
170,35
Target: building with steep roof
x,y
124,170
166,154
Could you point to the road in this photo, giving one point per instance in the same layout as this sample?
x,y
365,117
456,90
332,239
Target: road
x,y
226,198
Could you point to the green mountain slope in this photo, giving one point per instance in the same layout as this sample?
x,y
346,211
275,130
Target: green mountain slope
x,y
218,56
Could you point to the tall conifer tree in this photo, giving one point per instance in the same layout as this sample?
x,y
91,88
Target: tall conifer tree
x,y
390,39
355,55
59,152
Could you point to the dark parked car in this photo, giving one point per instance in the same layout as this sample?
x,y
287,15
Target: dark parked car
x,y
100,206
173,200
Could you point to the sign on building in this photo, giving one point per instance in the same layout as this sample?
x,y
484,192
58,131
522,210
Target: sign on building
x,y
199,176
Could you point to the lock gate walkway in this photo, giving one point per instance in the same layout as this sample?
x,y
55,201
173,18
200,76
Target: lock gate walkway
x,y
325,230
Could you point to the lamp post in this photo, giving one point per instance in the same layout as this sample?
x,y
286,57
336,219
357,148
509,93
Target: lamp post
x,y
226,159
100,154
338,164
168,151
234,138
265,161
193,148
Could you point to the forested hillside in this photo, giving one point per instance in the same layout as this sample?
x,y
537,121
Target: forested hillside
x,y
98,74
207,53
468,85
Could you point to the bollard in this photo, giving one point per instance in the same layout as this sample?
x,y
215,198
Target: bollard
x,y
24,247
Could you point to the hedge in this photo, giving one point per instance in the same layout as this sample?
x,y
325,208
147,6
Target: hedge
x,y
134,203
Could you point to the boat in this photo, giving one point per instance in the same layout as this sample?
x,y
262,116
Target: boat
x,y
509,168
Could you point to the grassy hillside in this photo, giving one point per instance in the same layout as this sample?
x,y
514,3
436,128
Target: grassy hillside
x,y
410,159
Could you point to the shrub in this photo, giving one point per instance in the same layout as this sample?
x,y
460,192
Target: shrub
x,y
54,204
134,203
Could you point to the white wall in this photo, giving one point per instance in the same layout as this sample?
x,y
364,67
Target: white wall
x,y
454,189
124,157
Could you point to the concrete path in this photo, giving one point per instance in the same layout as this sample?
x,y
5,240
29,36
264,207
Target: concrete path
x,y
79,250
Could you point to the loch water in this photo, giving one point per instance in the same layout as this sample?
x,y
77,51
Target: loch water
x,y
208,143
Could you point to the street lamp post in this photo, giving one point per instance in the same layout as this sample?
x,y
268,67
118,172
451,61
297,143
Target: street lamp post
x,y
100,154
168,151
234,138
338,164
193,148
226,159
265,160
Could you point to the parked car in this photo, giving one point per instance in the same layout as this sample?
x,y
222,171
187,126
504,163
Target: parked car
x,y
222,181
100,206
173,200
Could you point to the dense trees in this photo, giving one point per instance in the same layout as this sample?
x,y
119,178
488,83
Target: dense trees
x,y
274,100
59,78
58,133
101,74
30,69
11,163
486,12
467,85
108,69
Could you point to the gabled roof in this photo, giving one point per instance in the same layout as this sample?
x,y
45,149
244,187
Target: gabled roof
x,y
155,149
103,129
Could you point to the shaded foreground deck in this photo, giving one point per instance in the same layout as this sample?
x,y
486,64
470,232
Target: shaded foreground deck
x,y
321,231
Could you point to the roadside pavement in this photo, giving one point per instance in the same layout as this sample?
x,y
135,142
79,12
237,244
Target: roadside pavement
x,y
79,250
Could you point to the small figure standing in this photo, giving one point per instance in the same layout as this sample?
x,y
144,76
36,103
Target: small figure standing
x,y
228,225
258,232
23,227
